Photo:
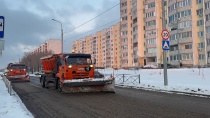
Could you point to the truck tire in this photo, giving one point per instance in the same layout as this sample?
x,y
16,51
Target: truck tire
x,y
59,86
42,80
56,83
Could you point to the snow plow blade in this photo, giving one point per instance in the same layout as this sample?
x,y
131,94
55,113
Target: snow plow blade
x,y
20,78
88,85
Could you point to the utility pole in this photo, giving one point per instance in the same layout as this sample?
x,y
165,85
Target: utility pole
x,y
164,51
61,34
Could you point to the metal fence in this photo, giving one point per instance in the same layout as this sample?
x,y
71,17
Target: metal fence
x,y
8,85
126,78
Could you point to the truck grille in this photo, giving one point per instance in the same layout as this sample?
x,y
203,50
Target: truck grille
x,y
80,75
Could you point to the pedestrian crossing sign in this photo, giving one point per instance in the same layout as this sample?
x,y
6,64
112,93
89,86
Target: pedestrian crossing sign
x,y
166,44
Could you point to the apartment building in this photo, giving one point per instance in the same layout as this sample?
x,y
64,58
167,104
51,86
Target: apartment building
x,y
141,26
189,43
49,45
104,46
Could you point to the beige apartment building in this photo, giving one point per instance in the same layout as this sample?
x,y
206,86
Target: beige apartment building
x,y
141,26
190,42
49,45
104,46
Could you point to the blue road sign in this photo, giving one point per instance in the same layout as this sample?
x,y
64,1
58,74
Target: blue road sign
x,y
1,26
166,45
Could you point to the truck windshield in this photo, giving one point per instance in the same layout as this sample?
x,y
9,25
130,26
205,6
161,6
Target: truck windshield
x,y
18,67
78,60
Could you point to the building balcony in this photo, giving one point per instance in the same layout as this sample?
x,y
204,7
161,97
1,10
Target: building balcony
x,y
151,55
208,48
150,45
173,52
135,48
208,60
186,40
186,51
180,41
135,40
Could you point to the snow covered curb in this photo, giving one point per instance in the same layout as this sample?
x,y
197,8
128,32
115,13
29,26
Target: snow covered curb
x,y
166,90
11,106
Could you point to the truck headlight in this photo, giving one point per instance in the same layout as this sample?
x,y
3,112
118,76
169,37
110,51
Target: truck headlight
x,y
91,65
11,70
70,66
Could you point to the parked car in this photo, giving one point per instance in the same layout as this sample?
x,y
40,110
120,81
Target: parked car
x,y
98,74
169,66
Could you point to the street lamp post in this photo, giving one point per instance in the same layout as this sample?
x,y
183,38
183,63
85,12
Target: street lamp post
x,y
61,34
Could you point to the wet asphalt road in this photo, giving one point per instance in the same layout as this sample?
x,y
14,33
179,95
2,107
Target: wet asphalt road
x,y
125,103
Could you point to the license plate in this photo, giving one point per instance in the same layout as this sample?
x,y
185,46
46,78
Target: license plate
x,y
80,68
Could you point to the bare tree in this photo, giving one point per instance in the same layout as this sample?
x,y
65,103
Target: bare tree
x,y
32,60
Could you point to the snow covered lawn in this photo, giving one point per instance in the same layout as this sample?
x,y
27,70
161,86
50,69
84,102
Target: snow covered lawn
x,y
187,80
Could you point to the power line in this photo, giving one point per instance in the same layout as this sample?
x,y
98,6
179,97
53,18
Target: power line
x,y
93,18
96,28
92,29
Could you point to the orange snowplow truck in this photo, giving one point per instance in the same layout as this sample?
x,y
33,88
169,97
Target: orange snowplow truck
x,y
73,72
17,73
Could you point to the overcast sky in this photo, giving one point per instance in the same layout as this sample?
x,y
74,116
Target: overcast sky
x,y
28,22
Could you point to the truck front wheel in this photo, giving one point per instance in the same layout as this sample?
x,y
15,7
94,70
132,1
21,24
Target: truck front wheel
x,y
43,81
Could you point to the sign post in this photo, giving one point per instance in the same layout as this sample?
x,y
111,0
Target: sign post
x,y
165,43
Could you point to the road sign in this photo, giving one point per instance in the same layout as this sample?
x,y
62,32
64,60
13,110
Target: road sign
x,y
165,34
166,44
1,26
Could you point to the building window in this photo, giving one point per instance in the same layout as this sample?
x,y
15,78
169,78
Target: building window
x,y
208,41
201,45
201,56
208,17
151,5
185,24
135,28
207,5
123,11
124,4
208,54
200,34
150,14
187,56
151,41
135,36
188,46
150,23
199,11
208,29
150,32
200,22
124,18
151,50
199,1
186,34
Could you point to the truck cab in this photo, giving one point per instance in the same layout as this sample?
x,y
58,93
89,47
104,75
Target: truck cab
x,y
17,72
